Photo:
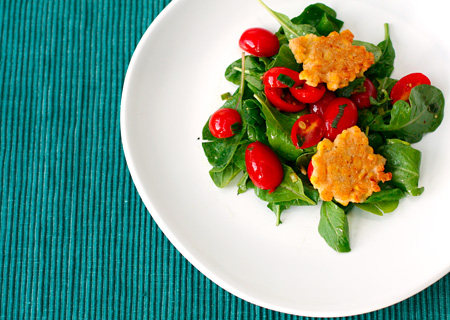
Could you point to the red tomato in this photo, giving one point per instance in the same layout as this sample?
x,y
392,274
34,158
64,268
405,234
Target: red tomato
x,y
263,166
271,77
320,106
362,99
259,42
308,94
310,170
341,114
225,123
307,131
282,99
402,89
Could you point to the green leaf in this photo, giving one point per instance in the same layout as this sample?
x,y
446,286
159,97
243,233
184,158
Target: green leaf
x,y
376,51
385,64
290,29
379,208
243,183
254,70
279,126
220,151
333,226
285,58
222,178
403,161
256,125
291,188
321,17
384,201
352,86
411,121
386,195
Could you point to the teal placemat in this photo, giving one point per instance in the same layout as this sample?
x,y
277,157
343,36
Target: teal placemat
x,y
76,242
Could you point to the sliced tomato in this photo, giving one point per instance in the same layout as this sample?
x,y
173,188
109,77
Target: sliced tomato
x,y
320,106
341,114
307,131
402,89
308,94
362,99
310,169
282,99
272,77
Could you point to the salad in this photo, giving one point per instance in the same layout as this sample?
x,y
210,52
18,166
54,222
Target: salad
x,y
316,119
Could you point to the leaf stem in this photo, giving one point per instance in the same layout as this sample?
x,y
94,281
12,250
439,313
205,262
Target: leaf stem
x,y
241,88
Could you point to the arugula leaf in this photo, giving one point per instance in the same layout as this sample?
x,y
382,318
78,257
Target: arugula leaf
x,y
220,151
254,70
279,126
291,188
379,208
348,90
291,30
222,178
256,125
279,206
384,201
321,17
285,58
384,84
385,65
403,161
411,122
376,51
386,195
243,183
333,226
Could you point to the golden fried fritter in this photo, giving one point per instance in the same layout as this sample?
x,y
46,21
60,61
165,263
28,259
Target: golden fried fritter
x,y
347,170
332,59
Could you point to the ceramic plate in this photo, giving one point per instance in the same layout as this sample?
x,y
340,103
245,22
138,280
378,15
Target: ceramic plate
x,y
173,84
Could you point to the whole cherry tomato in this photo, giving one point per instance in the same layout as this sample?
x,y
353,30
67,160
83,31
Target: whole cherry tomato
x,y
308,94
225,123
259,42
362,99
263,166
307,131
341,114
320,106
402,89
282,99
272,77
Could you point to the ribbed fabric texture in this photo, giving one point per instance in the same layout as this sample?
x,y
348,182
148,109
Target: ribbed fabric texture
x,y
76,242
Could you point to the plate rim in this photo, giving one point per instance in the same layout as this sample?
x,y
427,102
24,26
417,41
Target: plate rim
x,y
179,246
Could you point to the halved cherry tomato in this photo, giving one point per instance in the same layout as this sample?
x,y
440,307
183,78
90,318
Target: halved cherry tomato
x,y
402,89
310,170
259,42
320,106
263,166
282,99
307,131
225,123
271,77
308,94
362,99
341,114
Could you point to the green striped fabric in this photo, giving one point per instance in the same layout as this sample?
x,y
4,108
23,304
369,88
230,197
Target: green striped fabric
x,y
76,242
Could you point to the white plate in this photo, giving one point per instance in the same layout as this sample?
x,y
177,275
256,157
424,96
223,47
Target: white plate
x,y
174,83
